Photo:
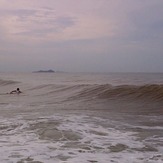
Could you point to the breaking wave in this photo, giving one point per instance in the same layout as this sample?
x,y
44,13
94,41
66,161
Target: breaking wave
x,y
152,92
145,92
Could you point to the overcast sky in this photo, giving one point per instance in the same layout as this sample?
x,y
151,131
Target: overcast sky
x,y
81,35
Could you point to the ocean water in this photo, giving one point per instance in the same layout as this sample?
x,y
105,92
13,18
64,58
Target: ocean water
x,y
79,117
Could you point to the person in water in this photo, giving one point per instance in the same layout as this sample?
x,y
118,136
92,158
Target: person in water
x,y
17,91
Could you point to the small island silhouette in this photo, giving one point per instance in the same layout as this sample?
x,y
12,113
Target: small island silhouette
x,y
44,71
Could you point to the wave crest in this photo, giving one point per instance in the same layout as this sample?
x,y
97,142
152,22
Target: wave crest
x,y
150,92
144,92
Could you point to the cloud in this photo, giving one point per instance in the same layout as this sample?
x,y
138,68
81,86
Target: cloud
x,y
32,22
143,22
149,22
55,24
73,20
111,33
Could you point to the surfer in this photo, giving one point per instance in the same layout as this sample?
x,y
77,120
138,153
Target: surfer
x,y
17,91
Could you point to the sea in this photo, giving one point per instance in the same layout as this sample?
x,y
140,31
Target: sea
x,y
81,118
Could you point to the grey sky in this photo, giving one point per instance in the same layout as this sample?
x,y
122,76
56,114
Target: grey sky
x,y
87,35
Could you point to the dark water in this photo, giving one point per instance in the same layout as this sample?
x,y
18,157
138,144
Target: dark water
x,y
63,117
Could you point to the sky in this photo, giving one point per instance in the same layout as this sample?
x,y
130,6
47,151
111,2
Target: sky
x,y
81,35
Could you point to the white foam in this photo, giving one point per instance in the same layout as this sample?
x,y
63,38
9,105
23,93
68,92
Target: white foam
x,y
19,142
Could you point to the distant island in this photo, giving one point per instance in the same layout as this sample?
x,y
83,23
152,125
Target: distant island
x,y
44,71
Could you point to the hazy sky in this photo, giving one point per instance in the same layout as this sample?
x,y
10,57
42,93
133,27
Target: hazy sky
x,y
81,35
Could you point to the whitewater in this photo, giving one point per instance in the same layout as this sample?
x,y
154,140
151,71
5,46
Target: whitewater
x,y
81,117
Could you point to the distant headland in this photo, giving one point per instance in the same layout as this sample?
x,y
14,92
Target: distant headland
x,y
44,71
